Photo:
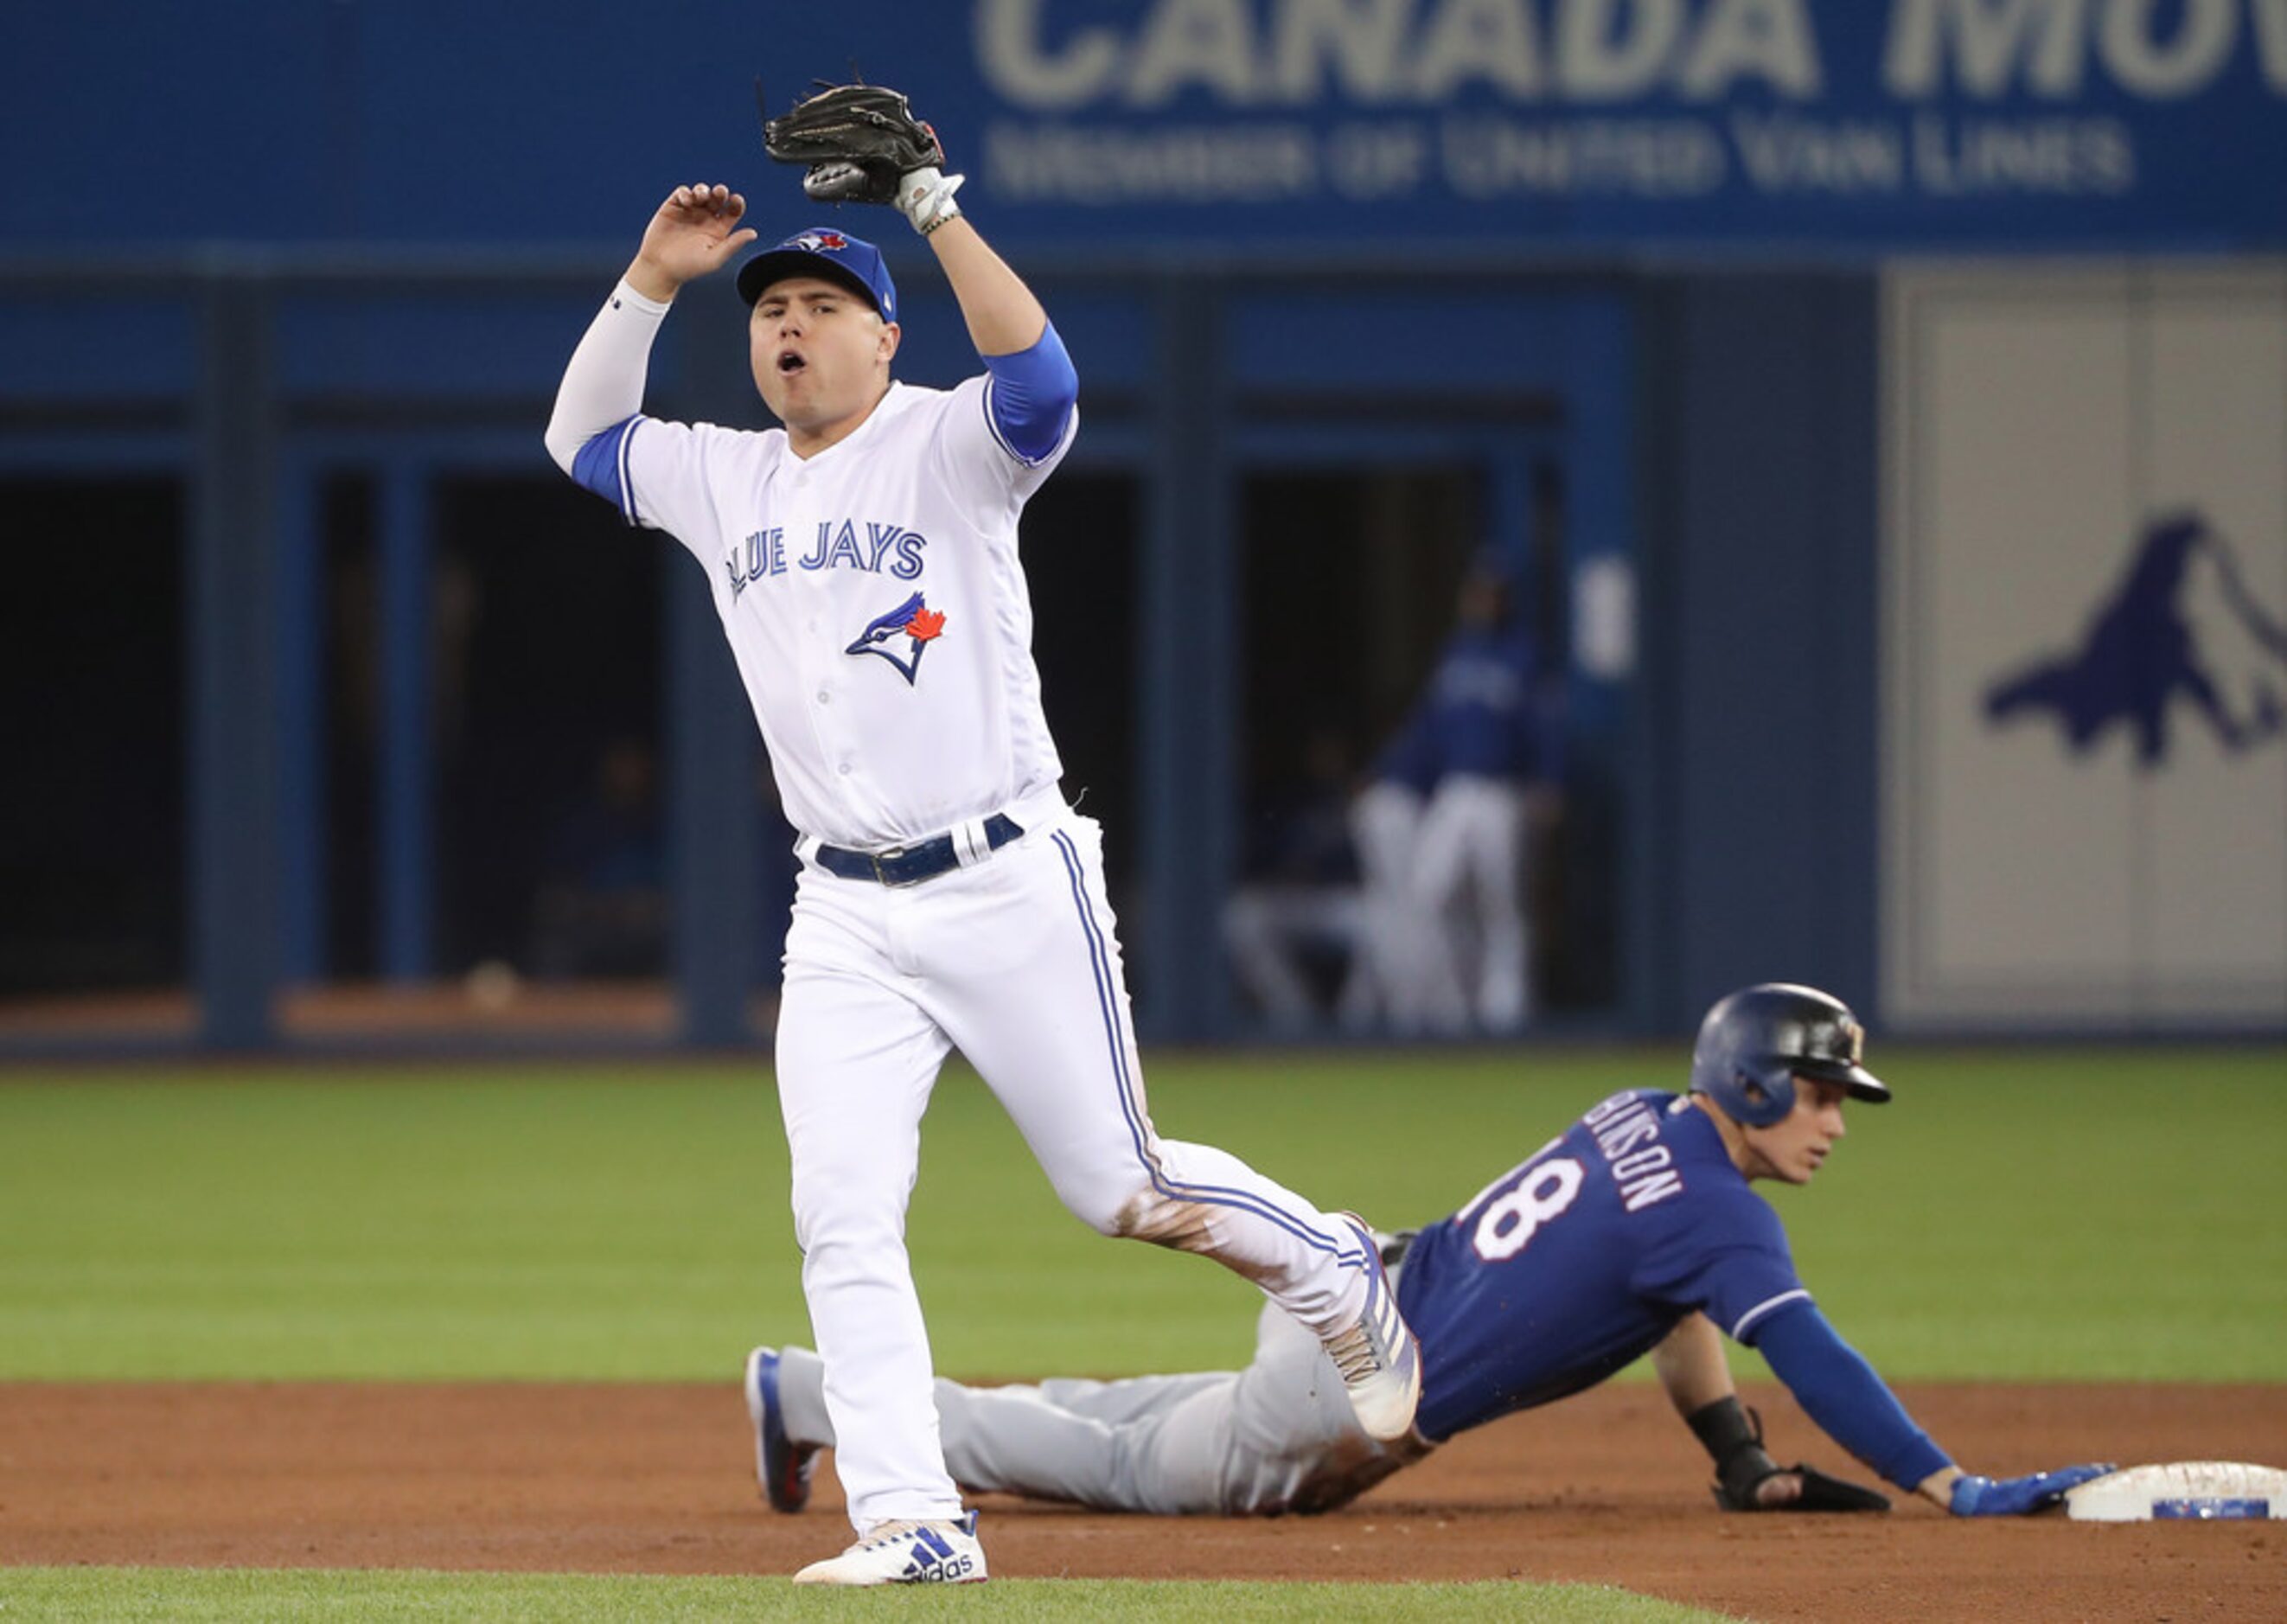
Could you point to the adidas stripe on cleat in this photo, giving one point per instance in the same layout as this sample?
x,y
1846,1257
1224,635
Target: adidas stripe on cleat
x,y
905,1554
1379,1358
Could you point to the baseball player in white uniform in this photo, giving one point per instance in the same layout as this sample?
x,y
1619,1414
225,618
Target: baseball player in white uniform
x,y
1495,755
863,559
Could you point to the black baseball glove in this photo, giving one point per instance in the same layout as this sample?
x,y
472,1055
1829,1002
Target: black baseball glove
x,y
857,139
1734,1437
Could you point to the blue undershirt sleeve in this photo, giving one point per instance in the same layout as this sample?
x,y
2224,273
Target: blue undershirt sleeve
x,y
1030,397
1840,1390
601,466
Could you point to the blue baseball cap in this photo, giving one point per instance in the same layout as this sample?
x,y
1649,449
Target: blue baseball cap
x,y
823,251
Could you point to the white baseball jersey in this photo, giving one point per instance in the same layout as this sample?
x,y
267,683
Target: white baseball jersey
x,y
874,600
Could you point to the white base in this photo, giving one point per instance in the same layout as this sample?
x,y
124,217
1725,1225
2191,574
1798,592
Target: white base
x,y
2182,1491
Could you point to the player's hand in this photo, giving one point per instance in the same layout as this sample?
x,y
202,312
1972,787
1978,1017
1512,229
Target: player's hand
x,y
1747,1477
1974,1496
695,232
1798,1487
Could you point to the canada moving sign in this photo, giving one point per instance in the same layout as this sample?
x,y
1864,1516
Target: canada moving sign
x,y
1651,105
1289,53
2085,648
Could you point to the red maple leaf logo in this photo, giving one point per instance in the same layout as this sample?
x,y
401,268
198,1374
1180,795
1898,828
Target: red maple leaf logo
x,y
925,624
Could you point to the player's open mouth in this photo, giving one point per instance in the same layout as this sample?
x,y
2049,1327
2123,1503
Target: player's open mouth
x,y
790,363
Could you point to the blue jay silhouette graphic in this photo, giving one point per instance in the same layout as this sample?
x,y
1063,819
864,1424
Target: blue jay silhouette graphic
x,y
2140,651
912,620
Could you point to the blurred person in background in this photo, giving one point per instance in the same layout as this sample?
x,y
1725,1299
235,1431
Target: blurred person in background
x,y
602,906
1385,826
1298,921
1488,744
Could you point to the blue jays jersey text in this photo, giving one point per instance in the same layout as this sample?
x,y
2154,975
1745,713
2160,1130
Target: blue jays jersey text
x,y
1577,1263
864,545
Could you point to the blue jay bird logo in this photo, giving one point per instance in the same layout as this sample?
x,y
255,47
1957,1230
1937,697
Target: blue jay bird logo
x,y
913,619
2145,645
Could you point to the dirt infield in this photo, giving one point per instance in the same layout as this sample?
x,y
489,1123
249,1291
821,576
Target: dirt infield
x,y
1606,1488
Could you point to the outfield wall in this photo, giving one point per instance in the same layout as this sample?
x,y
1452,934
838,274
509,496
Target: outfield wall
x,y
1637,294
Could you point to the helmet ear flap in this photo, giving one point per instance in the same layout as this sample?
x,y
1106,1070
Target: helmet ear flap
x,y
1763,1096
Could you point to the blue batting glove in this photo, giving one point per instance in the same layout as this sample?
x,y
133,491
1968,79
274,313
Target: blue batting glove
x,y
2015,1496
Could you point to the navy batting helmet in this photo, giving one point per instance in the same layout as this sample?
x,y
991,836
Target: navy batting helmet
x,y
1754,1044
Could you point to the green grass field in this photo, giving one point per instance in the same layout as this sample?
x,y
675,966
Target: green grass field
x,y
2026,1214
178,1596
2033,1214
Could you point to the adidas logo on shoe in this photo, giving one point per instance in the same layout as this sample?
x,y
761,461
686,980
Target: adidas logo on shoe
x,y
933,1560
907,1553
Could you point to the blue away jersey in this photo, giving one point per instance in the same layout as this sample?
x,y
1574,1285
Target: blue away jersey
x,y
1566,1269
1481,714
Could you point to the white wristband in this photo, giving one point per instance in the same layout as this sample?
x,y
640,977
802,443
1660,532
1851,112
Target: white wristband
x,y
925,198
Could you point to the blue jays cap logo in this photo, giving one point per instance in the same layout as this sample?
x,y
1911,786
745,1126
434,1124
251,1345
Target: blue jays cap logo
x,y
914,622
823,251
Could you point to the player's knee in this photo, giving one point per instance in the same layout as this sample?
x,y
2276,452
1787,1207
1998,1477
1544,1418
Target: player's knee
x,y
1148,1213
839,1247
835,1206
1110,1208
1092,1204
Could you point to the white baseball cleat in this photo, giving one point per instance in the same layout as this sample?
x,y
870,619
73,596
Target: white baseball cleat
x,y
1379,1358
940,1553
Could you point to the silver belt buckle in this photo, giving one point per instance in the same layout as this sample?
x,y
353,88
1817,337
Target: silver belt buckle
x,y
893,854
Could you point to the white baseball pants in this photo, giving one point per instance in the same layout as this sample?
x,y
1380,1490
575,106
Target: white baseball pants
x,y
1472,852
1014,961
1386,829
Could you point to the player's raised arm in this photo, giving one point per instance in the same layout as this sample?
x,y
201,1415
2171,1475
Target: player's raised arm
x,y
1034,384
862,144
692,233
1003,316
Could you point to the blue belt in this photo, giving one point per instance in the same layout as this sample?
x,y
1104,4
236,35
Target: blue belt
x,y
911,865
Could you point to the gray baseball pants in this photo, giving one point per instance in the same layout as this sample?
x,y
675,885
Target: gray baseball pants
x,y
1278,1436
